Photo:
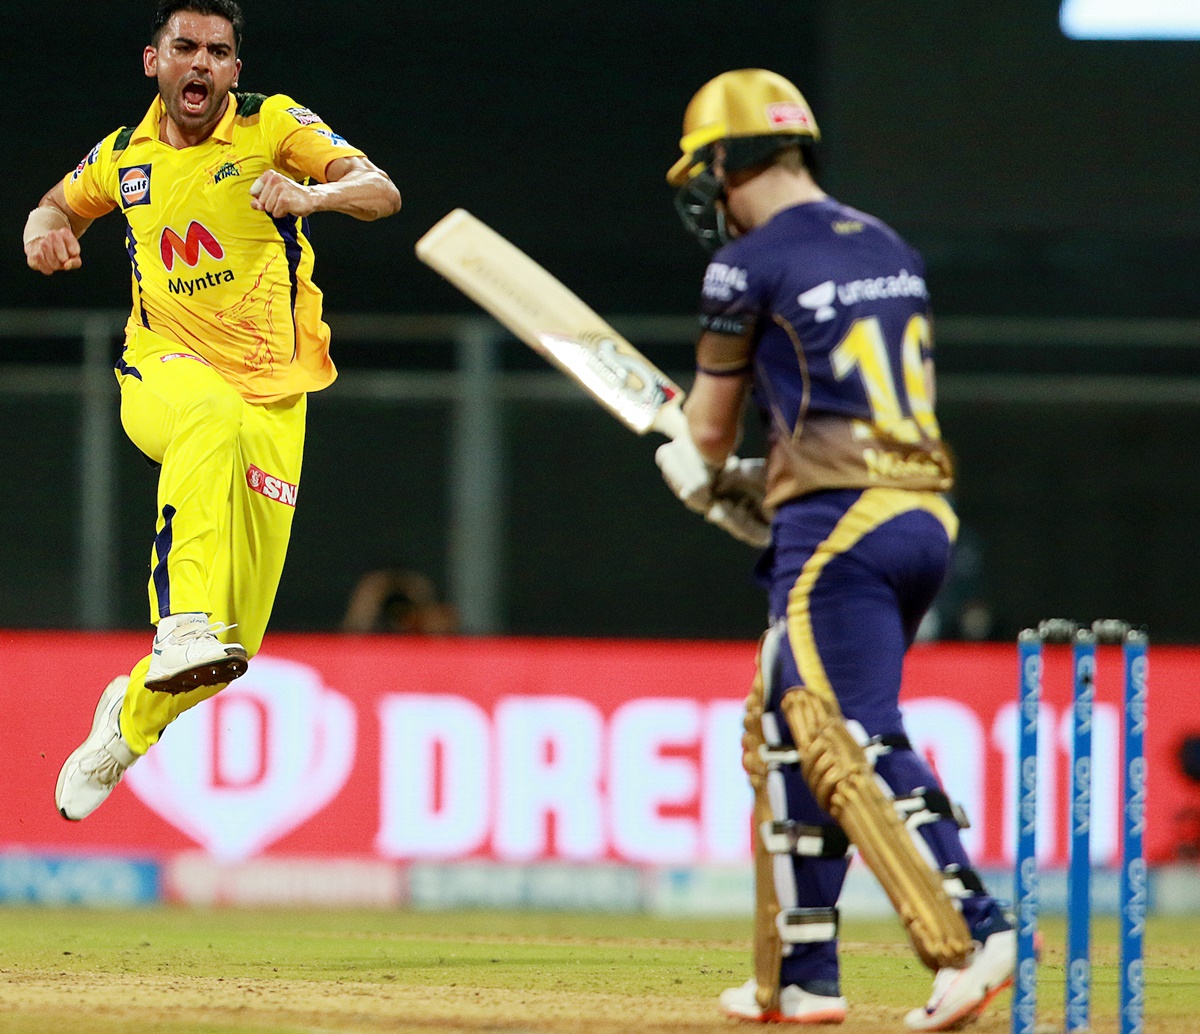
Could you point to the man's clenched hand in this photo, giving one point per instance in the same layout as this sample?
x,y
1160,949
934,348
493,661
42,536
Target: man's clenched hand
x,y
55,252
277,195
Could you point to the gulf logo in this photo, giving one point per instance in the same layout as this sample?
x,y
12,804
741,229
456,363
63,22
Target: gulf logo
x,y
135,185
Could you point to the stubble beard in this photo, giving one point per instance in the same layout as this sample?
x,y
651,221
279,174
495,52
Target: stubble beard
x,y
192,124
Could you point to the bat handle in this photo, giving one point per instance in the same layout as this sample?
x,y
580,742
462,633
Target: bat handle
x,y
671,421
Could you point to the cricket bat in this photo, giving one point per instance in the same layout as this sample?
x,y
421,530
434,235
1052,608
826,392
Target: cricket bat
x,y
554,322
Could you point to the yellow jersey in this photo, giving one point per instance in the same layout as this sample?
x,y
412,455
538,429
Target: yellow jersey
x,y
211,274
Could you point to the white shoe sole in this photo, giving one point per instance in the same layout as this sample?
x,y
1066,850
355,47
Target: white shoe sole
x,y
969,1013
208,673
966,1013
98,734
735,1004
824,1016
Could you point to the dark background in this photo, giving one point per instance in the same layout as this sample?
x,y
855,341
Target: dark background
x,y
1041,177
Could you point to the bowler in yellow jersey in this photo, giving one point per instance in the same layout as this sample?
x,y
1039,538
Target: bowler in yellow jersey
x,y
224,341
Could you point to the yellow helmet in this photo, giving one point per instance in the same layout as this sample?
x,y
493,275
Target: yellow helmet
x,y
749,102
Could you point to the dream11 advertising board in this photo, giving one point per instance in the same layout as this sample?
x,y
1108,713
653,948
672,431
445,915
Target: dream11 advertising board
x,y
398,751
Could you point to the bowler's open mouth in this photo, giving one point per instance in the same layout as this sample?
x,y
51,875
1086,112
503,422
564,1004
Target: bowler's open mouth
x,y
195,96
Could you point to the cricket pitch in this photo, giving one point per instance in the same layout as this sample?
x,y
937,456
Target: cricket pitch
x,y
226,971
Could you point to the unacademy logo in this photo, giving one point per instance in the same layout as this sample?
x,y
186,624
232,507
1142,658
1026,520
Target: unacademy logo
x,y
903,285
820,300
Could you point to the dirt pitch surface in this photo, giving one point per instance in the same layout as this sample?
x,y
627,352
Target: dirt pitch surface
x,y
167,971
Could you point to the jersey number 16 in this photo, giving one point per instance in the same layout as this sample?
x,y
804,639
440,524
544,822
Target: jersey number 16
x,y
902,415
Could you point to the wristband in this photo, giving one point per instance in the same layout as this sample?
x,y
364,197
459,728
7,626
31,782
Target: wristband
x,y
43,221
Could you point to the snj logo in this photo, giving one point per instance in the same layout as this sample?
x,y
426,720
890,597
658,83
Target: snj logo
x,y
271,487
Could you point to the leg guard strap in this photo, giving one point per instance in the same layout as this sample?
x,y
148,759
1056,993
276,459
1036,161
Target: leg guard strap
x,y
807,925
926,804
877,746
961,882
791,837
774,757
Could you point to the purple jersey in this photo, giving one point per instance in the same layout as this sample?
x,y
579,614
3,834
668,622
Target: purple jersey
x,y
830,307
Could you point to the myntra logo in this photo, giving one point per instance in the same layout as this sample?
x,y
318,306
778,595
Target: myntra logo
x,y
198,238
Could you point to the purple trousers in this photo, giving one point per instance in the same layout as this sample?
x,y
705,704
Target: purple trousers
x,y
851,573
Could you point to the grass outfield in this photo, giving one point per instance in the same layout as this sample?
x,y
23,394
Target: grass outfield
x,y
183,971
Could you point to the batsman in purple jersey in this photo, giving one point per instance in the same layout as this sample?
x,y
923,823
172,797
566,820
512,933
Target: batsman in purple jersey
x,y
819,314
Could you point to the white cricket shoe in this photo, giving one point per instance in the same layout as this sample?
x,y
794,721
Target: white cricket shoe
x,y
189,655
960,995
795,1005
90,773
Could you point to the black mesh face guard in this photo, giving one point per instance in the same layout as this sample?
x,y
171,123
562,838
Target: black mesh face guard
x,y
696,203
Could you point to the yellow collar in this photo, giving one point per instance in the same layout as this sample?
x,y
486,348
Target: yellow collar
x,y
147,129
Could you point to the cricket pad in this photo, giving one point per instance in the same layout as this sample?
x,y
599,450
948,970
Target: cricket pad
x,y
768,949
843,782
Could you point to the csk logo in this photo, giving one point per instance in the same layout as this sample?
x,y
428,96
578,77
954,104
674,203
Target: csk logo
x,y
198,238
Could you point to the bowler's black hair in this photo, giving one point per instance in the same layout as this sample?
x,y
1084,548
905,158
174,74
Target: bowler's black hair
x,y
227,9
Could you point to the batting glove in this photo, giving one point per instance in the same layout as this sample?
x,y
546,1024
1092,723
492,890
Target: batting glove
x,y
742,519
742,479
688,474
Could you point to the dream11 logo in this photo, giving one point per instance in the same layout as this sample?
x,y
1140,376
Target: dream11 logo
x,y
252,763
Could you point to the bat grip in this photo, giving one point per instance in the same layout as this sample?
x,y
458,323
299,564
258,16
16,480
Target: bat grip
x,y
671,421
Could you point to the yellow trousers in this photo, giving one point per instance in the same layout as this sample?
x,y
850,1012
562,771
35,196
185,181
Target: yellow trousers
x,y
226,496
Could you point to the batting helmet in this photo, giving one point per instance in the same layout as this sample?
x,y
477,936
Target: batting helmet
x,y
755,111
